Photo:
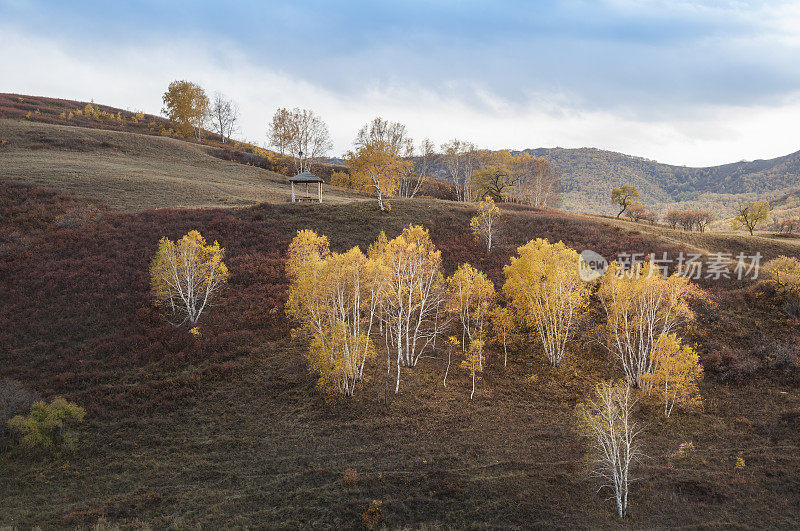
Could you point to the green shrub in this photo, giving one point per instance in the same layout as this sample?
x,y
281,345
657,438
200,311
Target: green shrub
x,y
47,425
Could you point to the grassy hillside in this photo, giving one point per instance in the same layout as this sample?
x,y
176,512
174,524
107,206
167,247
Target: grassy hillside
x,y
230,430
588,175
133,171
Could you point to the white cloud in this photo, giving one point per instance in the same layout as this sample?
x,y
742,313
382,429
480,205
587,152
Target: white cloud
x,y
135,77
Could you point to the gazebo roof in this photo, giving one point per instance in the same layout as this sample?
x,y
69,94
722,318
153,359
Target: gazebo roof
x,y
306,177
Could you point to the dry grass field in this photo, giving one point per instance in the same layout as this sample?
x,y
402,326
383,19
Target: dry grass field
x,y
130,171
767,243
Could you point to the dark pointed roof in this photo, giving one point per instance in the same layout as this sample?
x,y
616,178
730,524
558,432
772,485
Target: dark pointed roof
x,y
306,177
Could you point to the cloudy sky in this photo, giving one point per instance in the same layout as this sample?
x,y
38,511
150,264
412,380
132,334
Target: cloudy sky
x,y
695,83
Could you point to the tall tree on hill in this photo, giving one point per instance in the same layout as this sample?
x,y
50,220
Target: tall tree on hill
x,y
393,140
281,132
460,160
750,214
495,178
392,135
624,197
224,116
310,138
536,181
187,106
376,168
423,166
302,134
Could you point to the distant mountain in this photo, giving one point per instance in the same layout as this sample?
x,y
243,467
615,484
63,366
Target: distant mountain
x,y
588,175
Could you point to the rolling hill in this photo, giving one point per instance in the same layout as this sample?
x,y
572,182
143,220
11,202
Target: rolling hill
x,y
133,171
588,175
228,428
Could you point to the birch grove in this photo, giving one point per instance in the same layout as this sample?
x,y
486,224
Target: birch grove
x,y
186,276
398,286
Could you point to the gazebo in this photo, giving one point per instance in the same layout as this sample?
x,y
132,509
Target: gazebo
x,y
306,177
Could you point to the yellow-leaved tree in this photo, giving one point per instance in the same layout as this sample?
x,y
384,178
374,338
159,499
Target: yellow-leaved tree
x,y
547,292
504,328
615,448
471,297
377,168
413,294
784,272
186,276
484,224
473,361
676,374
641,307
750,214
334,297
187,106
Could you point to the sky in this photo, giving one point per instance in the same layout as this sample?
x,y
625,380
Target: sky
x,y
692,83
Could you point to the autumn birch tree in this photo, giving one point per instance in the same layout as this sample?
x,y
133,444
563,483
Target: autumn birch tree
x,y
187,106
413,295
615,446
547,292
484,223
335,297
187,275
471,297
281,130
676,374
377,169
503,326
641,306
224,115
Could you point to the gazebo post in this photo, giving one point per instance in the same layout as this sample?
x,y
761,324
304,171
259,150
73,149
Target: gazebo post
x,y
319,191
293,192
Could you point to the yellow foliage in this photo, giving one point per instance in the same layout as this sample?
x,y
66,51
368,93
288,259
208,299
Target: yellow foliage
x,y
750,214
676,374
334,297
186,105
343,179
471,296
483,224
642,306
186,275
784,271
46,427
376,168
504,328
546,292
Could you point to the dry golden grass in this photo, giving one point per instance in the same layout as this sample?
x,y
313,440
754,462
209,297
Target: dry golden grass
x,y
130,171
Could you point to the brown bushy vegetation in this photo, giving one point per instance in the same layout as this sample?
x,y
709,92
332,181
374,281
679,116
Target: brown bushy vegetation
x,y
228,429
